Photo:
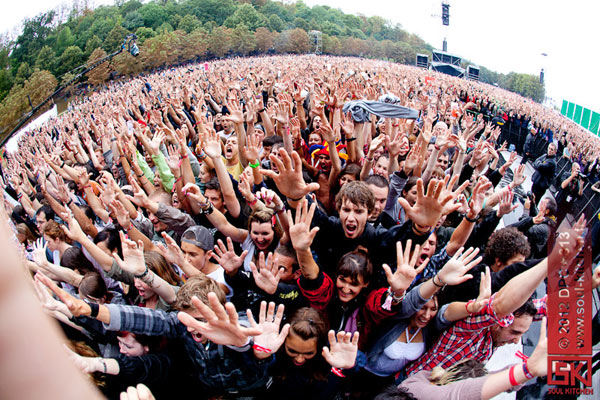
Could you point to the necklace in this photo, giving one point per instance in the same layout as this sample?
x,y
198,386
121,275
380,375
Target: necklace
x,y
410,338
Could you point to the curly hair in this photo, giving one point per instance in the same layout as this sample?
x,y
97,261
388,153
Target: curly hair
x,y
504,244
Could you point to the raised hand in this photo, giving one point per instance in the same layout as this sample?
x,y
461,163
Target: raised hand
x,y
74,231
252,149
227,258
235,113
76,306
478,196
212,144
300,233
430,207
133,256
122,215
519,176
342,350
156,141
506,205
269,321
39,251
271,199
220,325
266,276
454,272
537,363
289,178
47,301
485,291
405,272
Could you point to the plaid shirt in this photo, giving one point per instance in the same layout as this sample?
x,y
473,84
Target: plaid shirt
x,y
219,368
436,263
468,338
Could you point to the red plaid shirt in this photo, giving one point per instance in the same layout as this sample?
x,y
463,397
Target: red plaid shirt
x,y
468,338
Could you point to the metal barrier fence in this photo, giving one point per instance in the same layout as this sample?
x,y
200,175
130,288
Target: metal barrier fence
x,y
588,204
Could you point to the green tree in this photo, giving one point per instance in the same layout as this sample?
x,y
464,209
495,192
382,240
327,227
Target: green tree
x,y
247,15
210,10
189,23
133,20
23,73
130,6
301,23
64,39
115,38
144,33
72,57
6,82
33,37
242,40
154,15
275,23
165,27
46,59
92,44
101,73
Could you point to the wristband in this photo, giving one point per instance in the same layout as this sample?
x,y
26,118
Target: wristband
x,y
468,304
63,164
511,376
261,349
130,226
182,157
103,364
95,309
261,110
69,202
141,176
337,372
442,283
367,159
528,374
143,275
255,165
253,202
471,220
351,139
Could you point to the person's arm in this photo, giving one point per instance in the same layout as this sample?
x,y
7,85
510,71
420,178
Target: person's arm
x,y
133,262
516,292
463,230
336,165
535,366
458,310
74,232
54,375
368,162
214,216
212,147
302,237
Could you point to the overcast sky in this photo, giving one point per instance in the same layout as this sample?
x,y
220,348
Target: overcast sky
x,y
503,36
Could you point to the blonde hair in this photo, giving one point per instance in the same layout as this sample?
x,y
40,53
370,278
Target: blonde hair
x,y
199,286
463,369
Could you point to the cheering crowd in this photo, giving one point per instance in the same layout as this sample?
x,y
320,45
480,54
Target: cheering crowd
x,y
295,227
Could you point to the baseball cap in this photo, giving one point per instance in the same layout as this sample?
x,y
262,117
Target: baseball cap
x,y
199,236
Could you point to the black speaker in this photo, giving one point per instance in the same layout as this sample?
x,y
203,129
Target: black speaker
x,y
445,14
422,61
